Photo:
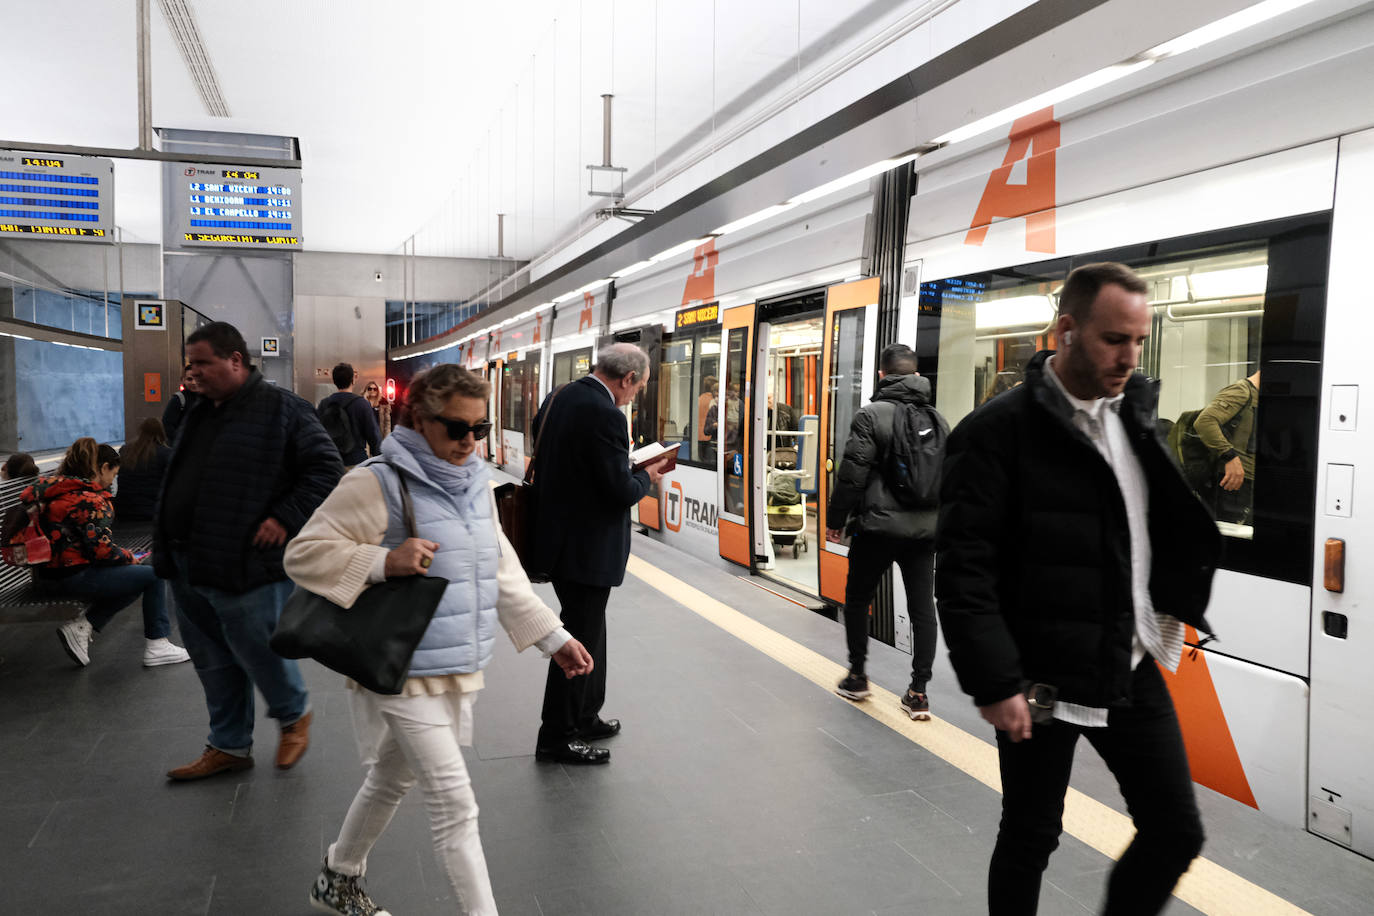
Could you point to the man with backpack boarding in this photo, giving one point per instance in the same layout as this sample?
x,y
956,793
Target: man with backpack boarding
x,y
349,420
886,493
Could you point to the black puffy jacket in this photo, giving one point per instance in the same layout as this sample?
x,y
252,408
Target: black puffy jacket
x,y
272,459
1033,565
862,499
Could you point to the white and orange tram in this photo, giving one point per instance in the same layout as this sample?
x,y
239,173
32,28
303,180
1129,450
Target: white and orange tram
x,y
1233,169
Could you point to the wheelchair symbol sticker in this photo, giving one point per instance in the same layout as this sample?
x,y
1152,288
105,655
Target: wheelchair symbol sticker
x,y
739,465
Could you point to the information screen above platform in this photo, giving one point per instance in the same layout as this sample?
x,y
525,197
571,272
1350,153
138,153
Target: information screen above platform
x,y
47,195
226,206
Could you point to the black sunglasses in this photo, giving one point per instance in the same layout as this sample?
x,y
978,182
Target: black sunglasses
x,y
458,429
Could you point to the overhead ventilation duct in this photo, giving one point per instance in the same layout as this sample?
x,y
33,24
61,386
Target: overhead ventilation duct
x,y
182,23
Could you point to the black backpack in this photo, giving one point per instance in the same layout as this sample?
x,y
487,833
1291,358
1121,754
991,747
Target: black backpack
x,y
336,421
915,454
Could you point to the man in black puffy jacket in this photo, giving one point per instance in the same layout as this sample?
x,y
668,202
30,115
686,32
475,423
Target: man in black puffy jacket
x,y
1070,555
885,530
250,467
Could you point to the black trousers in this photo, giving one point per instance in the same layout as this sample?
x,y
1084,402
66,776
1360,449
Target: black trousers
x,y
572,705
1143,748
870,555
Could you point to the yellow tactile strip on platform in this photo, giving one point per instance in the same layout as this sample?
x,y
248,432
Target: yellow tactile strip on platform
x,y
1207,886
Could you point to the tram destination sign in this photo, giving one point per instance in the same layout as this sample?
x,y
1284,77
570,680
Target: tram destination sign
x,y
230,206
697,316
56,196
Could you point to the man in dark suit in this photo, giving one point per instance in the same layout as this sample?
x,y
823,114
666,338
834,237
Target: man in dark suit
x,y
584,488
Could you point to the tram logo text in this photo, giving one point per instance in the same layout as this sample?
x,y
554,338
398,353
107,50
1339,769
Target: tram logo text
x,y
1034,138
684,509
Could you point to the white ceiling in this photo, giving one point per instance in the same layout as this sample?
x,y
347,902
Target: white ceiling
x,y
425,117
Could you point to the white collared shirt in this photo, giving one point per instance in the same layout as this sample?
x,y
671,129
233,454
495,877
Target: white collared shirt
x,y
610,394
1159,634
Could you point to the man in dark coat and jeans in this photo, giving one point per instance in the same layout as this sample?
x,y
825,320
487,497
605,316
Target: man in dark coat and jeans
x,y
1070,554
251,466
885,530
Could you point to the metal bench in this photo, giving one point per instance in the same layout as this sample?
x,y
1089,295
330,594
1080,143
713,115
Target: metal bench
x,y
20,599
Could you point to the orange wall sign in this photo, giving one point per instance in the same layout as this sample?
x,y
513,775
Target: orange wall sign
x,y
152,387
1035,139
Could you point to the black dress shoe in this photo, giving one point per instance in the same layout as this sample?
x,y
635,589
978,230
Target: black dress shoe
x,y
575,751
601,728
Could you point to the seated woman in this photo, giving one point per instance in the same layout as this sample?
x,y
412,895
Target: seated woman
x,y
143,463
18,465
357,536
76,514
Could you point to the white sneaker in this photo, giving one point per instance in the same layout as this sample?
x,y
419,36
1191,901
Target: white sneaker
x,y
163,652
75,636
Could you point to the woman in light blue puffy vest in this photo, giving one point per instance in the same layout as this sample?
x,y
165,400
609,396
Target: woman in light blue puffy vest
x,y
356,538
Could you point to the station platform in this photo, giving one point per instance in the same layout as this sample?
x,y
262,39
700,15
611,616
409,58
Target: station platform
x,y
741,784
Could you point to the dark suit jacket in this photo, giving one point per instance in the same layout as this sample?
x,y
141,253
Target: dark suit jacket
x,y
583,487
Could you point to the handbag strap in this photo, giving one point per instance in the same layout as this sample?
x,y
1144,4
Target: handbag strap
x,y
407,508
529,471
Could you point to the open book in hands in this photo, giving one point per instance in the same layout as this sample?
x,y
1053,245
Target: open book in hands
x,y
653,452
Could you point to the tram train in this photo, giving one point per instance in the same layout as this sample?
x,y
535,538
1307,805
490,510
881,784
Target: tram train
x,y
1237,179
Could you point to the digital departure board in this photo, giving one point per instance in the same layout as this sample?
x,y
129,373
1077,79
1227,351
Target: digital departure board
x,y
46,195
225,206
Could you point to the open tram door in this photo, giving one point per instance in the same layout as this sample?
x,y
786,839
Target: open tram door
x,y
641,414
735,406
495,453
849,364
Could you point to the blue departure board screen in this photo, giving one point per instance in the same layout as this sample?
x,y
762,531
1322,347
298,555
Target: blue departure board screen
x,y
47,195
226,206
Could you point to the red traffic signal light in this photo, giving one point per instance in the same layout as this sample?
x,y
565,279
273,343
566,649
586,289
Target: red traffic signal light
x,y
391,391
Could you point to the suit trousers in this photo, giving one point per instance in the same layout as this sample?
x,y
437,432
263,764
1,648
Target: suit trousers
x,y
1143,747
572,705
871,555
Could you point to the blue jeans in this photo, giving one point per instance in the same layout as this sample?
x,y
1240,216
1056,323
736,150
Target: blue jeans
x,y
226,635
111,589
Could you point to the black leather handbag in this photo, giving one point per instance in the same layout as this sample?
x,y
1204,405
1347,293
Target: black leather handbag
x,y
515,509
373,641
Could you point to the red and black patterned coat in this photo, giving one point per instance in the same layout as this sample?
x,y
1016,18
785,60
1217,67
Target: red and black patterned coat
x,y
76,517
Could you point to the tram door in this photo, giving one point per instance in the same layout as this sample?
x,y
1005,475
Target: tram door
x,y
735,506
848,366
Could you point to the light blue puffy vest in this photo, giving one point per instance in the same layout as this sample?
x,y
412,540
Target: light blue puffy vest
x,y
460,637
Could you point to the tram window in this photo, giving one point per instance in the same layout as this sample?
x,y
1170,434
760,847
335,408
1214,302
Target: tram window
x,y
512,395
731,413
520,397
1203,348
572,365
688,389
846,383
1223,304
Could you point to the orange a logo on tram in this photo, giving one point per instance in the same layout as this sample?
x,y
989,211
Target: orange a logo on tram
x,y
1035,139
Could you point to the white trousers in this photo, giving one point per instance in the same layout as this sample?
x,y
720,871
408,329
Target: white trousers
x,y
405,740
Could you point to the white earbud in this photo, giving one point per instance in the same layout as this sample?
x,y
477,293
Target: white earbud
x,y
1068,338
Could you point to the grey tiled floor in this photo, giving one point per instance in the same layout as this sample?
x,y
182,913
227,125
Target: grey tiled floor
x,y
736,788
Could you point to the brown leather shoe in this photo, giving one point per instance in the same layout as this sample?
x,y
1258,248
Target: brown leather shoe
x,y
295,738
210,763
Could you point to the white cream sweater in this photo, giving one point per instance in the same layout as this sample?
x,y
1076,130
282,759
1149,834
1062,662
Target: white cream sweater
x,y
338,553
